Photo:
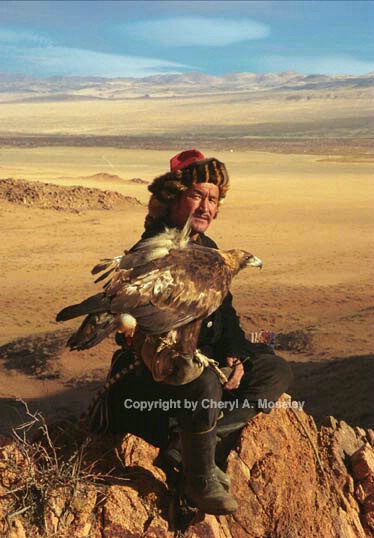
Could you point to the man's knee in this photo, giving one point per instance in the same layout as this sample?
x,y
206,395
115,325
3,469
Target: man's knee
x,y
271,372
203,392
207,385
282,372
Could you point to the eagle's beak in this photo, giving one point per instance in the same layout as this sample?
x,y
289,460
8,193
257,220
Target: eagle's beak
x,y
254,262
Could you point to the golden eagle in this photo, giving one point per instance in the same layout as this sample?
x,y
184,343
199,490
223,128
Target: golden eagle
x,y
164,283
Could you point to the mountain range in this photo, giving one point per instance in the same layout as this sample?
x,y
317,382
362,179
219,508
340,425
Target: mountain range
x,y
23,87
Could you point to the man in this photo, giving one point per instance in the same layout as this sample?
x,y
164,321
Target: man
x,y
194,188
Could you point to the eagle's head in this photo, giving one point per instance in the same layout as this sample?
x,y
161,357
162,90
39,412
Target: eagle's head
x,y
239,259
248,260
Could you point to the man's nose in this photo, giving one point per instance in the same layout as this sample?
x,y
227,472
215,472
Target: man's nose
x,y
204,204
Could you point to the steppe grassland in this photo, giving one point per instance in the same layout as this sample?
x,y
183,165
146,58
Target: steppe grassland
x,y
197,113
288,208
308,217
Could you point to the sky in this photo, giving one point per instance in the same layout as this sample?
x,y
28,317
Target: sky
x,y
142,38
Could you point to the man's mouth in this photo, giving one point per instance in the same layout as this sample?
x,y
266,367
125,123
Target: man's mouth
x,y
201,217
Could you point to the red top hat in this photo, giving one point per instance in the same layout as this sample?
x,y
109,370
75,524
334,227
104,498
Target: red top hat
x,y
185,158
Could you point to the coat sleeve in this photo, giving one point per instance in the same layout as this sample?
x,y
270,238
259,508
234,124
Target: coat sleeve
x,y
225,338
232,342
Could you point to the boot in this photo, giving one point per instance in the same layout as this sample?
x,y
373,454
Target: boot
x,y
201,485
173,456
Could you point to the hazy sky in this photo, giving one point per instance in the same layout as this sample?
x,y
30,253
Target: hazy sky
x,y
140,38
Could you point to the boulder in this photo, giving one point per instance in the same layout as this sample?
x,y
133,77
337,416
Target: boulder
x,y
289,478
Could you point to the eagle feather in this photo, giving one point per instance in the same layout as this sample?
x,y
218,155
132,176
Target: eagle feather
x,y
164,282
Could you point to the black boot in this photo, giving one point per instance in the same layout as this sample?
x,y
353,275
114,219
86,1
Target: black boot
x,y
201,485
173,456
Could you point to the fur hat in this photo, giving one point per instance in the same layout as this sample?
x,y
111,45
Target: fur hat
x,y
186,169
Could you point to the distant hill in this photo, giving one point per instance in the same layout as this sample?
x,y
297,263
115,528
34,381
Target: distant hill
x,y
19,87
37,194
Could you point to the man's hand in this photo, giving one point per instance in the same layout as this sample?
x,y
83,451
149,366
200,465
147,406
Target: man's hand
x,y
236,375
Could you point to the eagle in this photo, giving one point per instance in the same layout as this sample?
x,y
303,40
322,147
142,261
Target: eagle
x,y
164,285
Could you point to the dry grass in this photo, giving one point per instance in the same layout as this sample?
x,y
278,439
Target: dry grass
x,y
47,473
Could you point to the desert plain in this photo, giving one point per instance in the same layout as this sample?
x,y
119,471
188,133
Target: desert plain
x,y
301,198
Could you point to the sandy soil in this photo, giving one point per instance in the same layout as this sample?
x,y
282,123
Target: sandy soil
x,y
309,219
337,113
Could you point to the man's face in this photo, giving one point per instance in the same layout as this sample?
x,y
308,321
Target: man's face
x,y
200,201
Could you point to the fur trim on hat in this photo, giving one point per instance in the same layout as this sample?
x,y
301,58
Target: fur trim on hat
x,y
166,188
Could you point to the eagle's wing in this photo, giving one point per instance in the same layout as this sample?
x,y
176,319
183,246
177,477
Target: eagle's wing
x,y
156,247
118,270
171,291
143,252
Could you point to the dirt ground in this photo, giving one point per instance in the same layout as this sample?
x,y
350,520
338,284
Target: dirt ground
x,y
309,218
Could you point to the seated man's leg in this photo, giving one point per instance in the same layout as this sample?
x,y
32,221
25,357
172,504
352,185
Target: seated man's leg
x,y
197,420
195,414
270,376
266,376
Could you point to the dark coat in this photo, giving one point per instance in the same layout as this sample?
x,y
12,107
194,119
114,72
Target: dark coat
x,y
221,335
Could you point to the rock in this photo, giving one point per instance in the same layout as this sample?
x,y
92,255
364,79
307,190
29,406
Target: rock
x,y
369,505
370,437
11,460
49,196
137,453
274,460
138,180
15,470
70,510
363,471
365,489
124,514
289,478
54,510
363,462
16,530
145,498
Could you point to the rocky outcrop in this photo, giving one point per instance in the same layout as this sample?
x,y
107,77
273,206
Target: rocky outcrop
x,y
60,198
290,479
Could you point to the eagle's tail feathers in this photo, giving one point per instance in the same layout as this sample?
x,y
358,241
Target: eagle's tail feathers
x,y
93,330
105,263
107,284
94,304
104,275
